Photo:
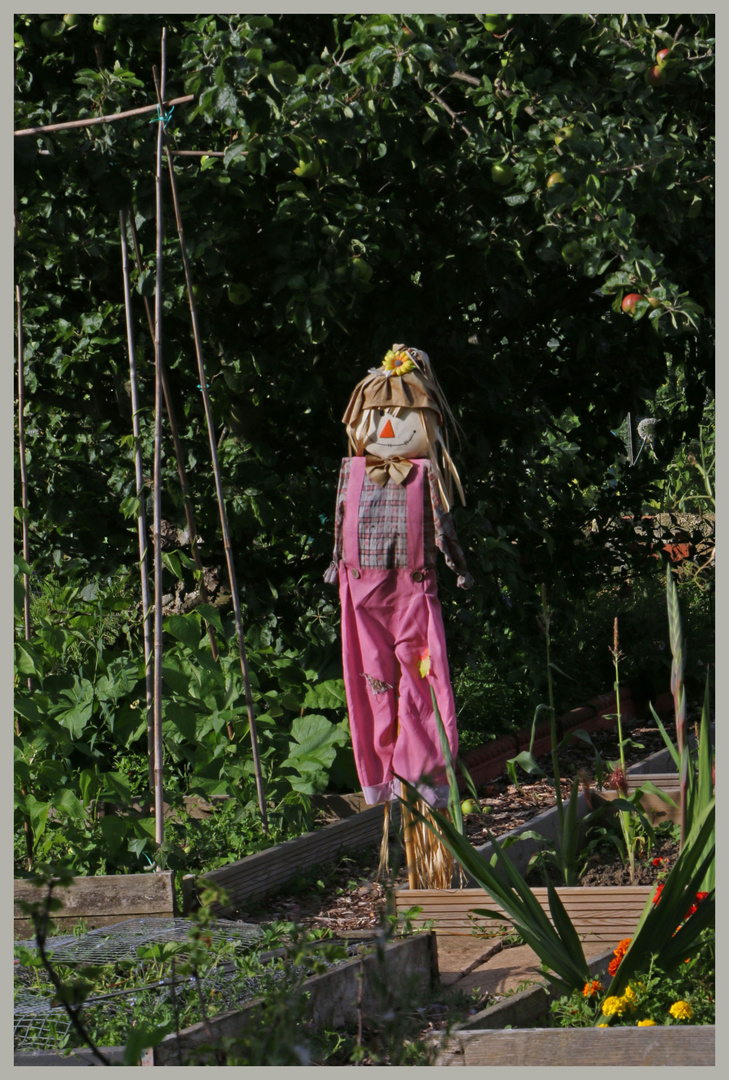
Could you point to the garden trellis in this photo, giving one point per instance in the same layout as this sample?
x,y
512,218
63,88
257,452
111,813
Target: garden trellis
x,y
153,650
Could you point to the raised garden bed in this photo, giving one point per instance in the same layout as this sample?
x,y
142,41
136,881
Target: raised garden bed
x,y
100,901
509,1033
408,965
651,1046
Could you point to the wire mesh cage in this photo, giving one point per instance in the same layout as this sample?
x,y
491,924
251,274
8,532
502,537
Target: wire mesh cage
x,y
143,988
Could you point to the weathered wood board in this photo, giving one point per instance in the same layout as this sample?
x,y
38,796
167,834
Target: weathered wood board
x,y
265,871
656,810
101,901
601,916
627,1046
407,968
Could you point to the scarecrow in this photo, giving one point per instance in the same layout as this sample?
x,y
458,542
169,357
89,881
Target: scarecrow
x,y
392,514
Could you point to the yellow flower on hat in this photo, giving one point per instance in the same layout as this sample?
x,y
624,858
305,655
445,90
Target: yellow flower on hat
x,y
398,363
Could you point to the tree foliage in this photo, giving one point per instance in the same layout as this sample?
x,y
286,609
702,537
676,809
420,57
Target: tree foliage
x,y
384,178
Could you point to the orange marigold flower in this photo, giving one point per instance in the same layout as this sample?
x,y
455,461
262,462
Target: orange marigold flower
x,y
592,988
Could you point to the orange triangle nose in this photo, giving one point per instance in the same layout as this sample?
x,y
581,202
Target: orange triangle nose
x,y
387,432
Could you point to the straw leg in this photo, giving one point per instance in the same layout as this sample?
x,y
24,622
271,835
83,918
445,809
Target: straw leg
x,y
408,831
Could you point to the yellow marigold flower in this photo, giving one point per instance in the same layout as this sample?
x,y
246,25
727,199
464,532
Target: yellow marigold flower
x,y
398,363
646,1023
614,1006
603,1025
681,1010
630,995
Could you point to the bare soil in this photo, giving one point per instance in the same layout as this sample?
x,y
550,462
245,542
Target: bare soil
x,y
346,898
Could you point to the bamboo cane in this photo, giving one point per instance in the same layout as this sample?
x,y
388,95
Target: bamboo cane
x,y
141,517
181,471
91,120
157,480
219,490
23,469
27,828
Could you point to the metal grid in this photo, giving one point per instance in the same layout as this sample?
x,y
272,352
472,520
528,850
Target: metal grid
x,y
120,941
41,1025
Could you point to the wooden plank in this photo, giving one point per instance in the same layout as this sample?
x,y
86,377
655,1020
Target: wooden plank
x,y
407,967
100,901
655,809
628,1046
265,871
600,915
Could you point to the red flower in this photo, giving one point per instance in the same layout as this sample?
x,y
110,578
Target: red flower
x,y
658,861
659,890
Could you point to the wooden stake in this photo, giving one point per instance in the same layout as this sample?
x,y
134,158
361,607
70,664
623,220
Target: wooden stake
x,y
179,459
23,468
157,483
27,827
220,493
91,120
408,826
141,516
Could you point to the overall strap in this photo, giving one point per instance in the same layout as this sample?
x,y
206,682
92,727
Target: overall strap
x,y
350,524
414,488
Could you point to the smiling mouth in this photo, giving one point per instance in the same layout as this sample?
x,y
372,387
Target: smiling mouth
x,y
388,442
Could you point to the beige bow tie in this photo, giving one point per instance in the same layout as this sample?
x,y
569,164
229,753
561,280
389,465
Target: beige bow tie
x,y
383,469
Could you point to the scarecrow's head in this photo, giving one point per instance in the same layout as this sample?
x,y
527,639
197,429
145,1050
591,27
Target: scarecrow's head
x,y
398,410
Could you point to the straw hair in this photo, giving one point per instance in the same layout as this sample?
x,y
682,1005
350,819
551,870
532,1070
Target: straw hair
x,y
418,389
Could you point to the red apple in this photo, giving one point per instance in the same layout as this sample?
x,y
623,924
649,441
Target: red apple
x,y
655,75
662,56
630,301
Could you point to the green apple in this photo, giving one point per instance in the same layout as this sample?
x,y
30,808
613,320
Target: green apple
x,y
555,178
502,174
362,269
52,28
104,24
239,293
468,806
72,20
573,252
570,131
495,24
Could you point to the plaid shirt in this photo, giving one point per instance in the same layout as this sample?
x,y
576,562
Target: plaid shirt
x,y
382,527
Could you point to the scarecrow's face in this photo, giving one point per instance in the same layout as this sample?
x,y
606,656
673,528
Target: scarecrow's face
x,y
398,436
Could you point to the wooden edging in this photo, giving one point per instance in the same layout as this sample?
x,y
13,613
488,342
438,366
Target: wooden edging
x,y
601,915
265,871
100,901
404,969
627,1046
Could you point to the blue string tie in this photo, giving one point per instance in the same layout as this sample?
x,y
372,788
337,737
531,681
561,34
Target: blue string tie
x,y
161,118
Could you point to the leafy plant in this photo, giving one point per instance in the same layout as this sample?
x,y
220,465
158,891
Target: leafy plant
x,y
696,773
650,998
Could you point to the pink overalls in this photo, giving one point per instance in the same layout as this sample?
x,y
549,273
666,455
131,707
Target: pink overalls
x,y
391,625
